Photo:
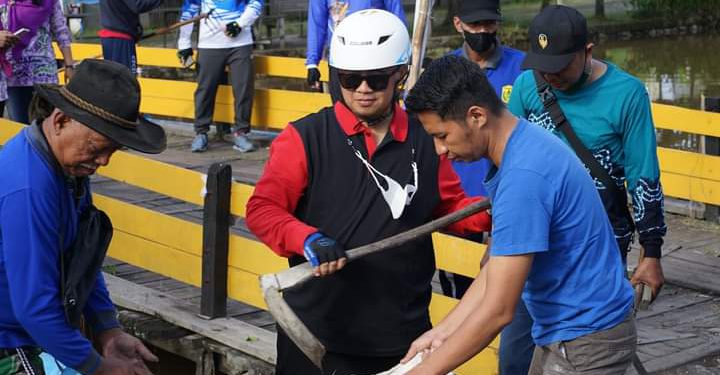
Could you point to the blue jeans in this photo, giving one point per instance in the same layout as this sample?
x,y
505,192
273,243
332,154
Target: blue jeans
x,y
516,343
18,103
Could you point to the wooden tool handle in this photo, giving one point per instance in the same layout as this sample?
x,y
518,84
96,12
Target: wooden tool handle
x,y
301,273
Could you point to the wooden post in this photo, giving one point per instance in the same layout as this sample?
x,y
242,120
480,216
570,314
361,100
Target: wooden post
x,y
419,37
216,226
712,147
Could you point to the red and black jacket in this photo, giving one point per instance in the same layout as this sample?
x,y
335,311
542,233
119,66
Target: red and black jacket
x,y
313,181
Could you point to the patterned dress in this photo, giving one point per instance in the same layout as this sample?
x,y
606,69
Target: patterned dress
x,y
37,63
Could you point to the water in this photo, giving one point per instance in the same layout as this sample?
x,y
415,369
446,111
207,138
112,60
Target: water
x,y
676,70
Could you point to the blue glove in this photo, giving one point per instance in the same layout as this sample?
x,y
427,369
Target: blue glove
x,y
319,249
233,29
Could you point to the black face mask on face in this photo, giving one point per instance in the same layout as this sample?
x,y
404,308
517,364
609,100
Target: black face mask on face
x,y
480,42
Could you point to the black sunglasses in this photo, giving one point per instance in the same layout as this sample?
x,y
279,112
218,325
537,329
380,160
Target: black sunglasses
x,y
376,80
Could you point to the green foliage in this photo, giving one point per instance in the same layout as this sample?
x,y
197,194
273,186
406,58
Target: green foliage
x,y
674,9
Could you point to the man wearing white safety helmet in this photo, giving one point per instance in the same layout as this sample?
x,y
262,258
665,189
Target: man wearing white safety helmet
x,y
349,175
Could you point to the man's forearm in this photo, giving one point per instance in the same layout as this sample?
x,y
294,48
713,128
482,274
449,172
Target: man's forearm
x,y
474,334
473,296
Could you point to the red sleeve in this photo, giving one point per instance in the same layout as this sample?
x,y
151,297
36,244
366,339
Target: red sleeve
x,y
453,198
270,208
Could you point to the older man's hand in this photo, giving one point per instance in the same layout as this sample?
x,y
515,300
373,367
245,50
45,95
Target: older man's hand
x,y
118,345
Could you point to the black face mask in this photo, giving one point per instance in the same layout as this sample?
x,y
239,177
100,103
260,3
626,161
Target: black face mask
x,y
480,42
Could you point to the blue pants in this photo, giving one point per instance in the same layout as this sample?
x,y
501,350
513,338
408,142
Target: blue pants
x,y
516,343
121,51
18,103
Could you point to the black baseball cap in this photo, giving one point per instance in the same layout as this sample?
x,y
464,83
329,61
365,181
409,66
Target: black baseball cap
x,y
471,11
555,35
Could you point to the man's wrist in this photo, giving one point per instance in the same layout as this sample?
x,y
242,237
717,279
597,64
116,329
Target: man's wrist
x,y
107,336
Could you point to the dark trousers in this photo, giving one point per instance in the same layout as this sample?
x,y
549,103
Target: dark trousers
x,y
18,103
211,70
292,361
334,85
121,51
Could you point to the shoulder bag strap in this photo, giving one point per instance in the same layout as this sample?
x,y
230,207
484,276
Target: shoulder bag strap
x,y
563,124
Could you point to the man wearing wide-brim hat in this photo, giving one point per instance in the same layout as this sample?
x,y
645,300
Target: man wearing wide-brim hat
x,y
45,203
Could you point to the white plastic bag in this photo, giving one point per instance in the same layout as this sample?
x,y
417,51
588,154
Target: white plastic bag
x,y
402,369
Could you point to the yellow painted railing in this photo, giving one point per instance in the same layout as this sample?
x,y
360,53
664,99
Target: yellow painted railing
x,y
147,239
685,175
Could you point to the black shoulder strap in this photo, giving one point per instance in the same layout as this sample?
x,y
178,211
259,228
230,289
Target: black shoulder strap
x,y
563,124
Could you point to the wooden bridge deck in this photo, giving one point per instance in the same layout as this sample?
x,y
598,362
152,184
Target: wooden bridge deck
x,y
681,328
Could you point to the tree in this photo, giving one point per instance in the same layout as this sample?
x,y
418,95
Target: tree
x,y
600,8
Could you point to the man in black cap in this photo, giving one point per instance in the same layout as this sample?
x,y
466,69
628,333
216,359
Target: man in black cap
x,y
604,114
479,22
45,203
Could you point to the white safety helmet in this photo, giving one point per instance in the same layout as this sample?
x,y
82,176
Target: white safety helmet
x,y
370,39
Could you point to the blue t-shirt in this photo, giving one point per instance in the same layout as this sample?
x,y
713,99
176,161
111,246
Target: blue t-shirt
x,y
501,77
33,194
612,118
545,203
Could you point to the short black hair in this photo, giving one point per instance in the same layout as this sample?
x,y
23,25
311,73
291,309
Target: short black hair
x,y
450,86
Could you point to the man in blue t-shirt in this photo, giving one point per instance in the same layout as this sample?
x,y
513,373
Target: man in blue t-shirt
x,y
609,110
552,242
479,22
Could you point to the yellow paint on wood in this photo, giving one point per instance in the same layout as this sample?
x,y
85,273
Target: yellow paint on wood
x,y
458,255
686,120
156,257
483,363
153,226
691,188
156,176
689,164
276,66
271,108
8,129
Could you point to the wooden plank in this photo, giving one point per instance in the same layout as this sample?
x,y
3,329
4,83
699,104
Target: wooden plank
x,y
686,120
691,188
271,108
691,275
231,332
691,164
458,255
8,129
486,362
176,182
277,66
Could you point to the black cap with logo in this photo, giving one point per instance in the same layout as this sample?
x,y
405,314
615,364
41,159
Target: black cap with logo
x,y
471,11
556,34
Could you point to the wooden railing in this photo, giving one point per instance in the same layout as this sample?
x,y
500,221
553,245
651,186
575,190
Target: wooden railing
x,y
149,239
685,175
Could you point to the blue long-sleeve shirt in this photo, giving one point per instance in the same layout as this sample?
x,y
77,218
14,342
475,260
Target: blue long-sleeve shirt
x,y
321,23
34,197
